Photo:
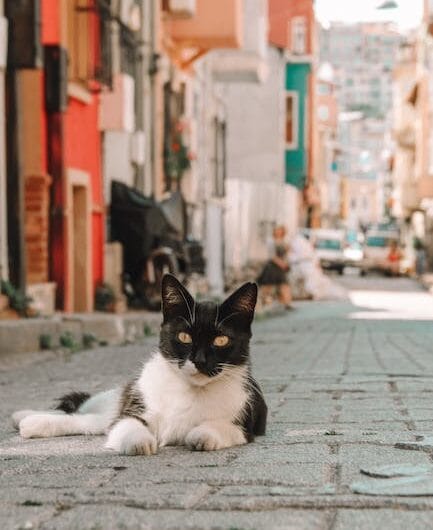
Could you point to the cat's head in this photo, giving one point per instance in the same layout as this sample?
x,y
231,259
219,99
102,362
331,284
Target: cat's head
x,y
205,339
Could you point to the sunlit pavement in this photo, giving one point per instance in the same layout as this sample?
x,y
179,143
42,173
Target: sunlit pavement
x,y
349,386
385,298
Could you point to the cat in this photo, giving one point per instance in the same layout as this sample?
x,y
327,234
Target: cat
x,y
196,390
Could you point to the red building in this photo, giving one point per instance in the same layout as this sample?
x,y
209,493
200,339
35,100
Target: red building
x,y
55,151
71,37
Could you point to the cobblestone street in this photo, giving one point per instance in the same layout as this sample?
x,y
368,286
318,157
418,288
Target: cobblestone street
x,y
349,386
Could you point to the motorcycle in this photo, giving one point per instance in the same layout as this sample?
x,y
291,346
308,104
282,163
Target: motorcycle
x,y
153,236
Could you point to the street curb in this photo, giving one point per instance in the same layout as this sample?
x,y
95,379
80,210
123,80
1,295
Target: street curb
x,y
24,335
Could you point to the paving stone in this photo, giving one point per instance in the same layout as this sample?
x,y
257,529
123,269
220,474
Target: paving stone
x,y
397,470
407,486
371,519
105,517
331,415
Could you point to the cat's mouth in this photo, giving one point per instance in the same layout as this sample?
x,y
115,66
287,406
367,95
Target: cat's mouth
x,y
195,376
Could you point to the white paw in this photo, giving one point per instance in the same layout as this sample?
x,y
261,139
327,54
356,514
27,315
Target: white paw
x,y
208,438
130,437
20,415
37,426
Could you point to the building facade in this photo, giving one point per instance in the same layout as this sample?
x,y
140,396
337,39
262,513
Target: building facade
x,y
4,255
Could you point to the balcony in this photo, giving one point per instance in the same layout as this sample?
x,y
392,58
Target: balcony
x,y
214,25
240,66
179,9
249,63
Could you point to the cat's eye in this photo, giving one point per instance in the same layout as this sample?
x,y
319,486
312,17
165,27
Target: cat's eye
x,y
184,337
221,341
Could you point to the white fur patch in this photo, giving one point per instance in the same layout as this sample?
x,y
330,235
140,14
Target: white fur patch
x,y
130,437
49,425
21,414
176,402
211,436
189,368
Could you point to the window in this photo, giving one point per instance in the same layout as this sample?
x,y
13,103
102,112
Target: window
x,y
328,244
323,112
299,35
323,89
89,49
292,110
219,158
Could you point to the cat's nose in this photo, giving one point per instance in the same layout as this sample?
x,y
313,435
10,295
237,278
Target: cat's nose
x,y
200,360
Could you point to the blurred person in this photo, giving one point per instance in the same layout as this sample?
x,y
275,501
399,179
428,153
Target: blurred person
x,y
420,257
274,274
393,259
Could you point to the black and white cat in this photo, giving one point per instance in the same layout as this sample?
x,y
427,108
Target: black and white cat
x,y
197,390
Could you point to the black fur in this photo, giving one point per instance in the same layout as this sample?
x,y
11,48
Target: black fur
x,y
70,403
254,416
204,321
131,403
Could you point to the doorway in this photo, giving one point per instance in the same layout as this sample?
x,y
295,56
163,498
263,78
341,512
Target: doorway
x,y
80,262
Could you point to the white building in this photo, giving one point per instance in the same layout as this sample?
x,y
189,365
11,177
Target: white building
x,y
364,56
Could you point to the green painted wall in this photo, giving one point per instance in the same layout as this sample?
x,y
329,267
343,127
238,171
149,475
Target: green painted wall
x,y
296,159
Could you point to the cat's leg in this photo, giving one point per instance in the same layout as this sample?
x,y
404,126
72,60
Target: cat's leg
x,y
214,435
47,425
21,414
130,436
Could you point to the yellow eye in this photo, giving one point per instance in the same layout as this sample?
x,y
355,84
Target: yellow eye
x,y
221,340
184,337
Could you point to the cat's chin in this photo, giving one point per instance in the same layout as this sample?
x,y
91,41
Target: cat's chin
x,y
198,379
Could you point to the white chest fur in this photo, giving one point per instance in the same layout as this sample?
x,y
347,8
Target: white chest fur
x,y
175,404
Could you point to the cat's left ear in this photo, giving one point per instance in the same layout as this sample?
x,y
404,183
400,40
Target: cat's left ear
x,y
240,304
176,300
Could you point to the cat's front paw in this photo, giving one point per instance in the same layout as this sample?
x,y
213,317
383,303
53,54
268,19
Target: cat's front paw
x,y
37,426
211,438
130,437
20,415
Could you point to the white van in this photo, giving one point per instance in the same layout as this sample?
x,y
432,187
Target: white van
x,y
376,250
329,248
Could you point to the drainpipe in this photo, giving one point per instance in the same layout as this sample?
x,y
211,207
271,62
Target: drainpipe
x,y
150,13
4,268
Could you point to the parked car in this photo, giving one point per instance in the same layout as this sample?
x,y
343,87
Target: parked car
x,y
353,254
376,250
329,247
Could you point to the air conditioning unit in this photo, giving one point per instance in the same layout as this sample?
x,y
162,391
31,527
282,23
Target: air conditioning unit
x,y
181,8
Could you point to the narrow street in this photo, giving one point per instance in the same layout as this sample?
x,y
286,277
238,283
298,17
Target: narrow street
x,y
349,386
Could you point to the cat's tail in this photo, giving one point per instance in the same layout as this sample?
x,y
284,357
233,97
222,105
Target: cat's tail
x,y
71,402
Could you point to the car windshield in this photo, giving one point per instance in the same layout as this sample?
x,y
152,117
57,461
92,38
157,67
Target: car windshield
x,y
377,241
328,244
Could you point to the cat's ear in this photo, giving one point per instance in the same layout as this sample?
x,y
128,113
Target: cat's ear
x,y
240,304
176,300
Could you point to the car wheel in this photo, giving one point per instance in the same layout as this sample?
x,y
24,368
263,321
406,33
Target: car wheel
x,y
341,271
363,272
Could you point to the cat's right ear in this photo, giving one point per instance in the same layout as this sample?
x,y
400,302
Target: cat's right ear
x,y
176,300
